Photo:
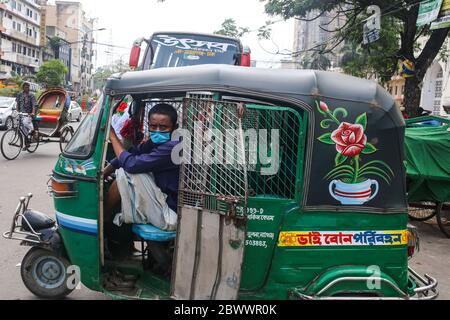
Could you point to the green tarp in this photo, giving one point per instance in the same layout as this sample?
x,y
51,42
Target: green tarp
x,y
427,152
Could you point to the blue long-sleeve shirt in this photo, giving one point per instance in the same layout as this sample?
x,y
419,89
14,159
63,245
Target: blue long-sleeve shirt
x,y
156,159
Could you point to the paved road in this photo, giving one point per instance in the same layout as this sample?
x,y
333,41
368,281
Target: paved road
x,y
29,173
434,257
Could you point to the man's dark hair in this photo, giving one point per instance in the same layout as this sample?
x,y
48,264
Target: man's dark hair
x,y
25,84
167,110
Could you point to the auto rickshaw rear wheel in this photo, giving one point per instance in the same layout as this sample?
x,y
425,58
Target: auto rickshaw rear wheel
x,y
443,218
422,211
44,273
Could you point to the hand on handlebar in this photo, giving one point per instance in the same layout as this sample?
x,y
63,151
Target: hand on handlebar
x,y
109,170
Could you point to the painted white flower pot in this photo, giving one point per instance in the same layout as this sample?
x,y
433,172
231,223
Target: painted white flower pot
x,y
354,194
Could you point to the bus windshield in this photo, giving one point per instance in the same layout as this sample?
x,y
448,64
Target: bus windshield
x,y
178,50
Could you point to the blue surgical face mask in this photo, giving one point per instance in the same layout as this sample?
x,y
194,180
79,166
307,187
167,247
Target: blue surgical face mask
x,y
159,137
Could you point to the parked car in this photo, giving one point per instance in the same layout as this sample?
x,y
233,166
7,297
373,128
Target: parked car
x,y
7,112
75,112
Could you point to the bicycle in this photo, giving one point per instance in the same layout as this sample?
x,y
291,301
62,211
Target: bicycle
x,y
13,141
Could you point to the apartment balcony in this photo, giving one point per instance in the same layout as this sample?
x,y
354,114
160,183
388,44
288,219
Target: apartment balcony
x,y
21,59
28,61
22,37
4,69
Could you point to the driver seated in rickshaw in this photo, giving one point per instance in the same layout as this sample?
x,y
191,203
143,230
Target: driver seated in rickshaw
x,y
146,178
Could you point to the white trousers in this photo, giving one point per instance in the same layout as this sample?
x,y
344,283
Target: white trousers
x,y
143,202
27,125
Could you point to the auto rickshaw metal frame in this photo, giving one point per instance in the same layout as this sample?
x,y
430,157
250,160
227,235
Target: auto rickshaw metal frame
x,y
292,260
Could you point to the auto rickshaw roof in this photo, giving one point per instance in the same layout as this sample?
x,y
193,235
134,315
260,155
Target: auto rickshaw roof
x,y
285,83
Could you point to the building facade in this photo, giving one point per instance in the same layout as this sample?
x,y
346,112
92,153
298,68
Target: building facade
x,y
70,18
58,48
435,87
20,48
314,32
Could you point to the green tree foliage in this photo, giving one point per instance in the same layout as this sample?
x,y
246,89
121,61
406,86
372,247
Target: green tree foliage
x,y
54,43
52,74
230,29
378,59
16,81
103,73
316,61
400,38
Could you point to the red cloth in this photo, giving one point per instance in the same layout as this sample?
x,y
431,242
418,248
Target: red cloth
x,y
49,119
129,131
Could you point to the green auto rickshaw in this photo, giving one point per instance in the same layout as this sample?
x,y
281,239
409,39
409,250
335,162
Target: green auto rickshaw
x,y
292,186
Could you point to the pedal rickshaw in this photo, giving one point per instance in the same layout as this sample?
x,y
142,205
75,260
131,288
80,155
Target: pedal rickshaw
x,y
306,197
50,125
427,148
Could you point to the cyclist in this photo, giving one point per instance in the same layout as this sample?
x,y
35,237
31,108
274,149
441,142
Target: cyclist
x,y
26,103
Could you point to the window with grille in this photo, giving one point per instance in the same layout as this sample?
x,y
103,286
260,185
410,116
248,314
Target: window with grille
x,y
438,89
438,93
287,122
205,183
274,132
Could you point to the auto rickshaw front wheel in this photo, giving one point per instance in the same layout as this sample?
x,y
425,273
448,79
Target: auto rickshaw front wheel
x,y
44,273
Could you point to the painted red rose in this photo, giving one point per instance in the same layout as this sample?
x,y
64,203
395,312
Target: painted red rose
x,y
350,139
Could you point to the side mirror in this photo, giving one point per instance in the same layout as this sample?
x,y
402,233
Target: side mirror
x,y
246,57
134,57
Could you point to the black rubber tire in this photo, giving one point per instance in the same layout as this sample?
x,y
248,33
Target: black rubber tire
x,y
34,146
63,141
416,213
19,140
443,218
9,123
79,118
29,270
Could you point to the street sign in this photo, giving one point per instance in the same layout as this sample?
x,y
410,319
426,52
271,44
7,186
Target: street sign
x,y
372,27
444,17
428,11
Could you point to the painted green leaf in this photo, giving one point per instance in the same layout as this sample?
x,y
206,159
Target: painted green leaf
x,y
332,174
326,138
341,176
341,111
375,162
375,169
362,120
369,149
340,159
369,172
325,124
346,168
